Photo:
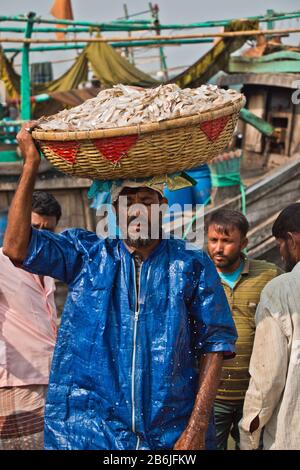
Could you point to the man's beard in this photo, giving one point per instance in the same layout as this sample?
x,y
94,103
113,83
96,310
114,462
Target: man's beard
x,y
138,242
227,262
290,263
143,238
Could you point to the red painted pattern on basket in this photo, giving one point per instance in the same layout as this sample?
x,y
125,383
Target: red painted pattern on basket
x,y
114,148
67,150
214,127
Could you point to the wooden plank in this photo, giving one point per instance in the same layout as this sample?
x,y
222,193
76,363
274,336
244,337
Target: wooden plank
x,y
282,66
260,237
4,202
72,209
90,214
260,250
253,137
261,232
280,55
15,168
285,80
269,195
226,34
49,184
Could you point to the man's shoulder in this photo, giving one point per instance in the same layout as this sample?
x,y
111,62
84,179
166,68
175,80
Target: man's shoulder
x,y
79,234
183,250
81,238
77,239
259,267
276,298
278,284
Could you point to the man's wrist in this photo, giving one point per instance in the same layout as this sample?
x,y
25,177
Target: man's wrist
x,y
31,167
198,425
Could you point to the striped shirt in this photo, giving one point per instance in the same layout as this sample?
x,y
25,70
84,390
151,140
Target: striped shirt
x,y
243,300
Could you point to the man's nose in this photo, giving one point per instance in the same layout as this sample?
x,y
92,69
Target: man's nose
x,y
219,247
134,211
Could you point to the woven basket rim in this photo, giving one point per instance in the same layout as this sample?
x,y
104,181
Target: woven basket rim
x,y
186,121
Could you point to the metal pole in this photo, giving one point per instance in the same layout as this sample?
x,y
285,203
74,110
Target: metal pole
x,y
128,53
163,63
270,24
158,38
25,77
116,44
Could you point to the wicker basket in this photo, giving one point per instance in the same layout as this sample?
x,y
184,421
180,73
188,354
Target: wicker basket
x,y
152,149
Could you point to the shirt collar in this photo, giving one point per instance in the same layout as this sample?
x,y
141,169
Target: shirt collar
x,y
246,262
297,267
246,268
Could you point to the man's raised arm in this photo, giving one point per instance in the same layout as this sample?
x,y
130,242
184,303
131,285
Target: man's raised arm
x,y
18,229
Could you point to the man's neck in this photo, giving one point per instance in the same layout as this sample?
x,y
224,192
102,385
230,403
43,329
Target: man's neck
x,y
143,251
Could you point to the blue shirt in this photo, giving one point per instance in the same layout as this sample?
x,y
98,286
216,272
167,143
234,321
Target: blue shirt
x,y
125,367
231,278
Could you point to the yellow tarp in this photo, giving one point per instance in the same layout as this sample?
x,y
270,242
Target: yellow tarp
x,y
216,58
108,66
111,68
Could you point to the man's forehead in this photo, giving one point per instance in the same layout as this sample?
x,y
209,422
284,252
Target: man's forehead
x,y
142,191
223,229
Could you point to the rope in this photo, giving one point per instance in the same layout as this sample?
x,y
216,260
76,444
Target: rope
x,y
193,219
222,181
230,179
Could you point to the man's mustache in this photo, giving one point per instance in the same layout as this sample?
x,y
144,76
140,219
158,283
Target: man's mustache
x,y
138,220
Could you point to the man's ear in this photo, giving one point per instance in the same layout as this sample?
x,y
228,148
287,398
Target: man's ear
x,y
292,240
244,243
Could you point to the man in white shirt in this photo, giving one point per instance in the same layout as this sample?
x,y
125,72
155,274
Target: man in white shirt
x,y
27,339
273,398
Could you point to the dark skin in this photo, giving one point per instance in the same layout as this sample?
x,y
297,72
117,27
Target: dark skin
x,y
19,222
43,222
225,246
147,197
289,249
19,218
193,437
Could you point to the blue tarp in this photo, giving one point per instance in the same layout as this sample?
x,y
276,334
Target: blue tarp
x,y
125,368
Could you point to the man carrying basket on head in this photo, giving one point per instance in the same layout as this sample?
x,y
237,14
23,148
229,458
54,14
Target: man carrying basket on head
x,y
144,331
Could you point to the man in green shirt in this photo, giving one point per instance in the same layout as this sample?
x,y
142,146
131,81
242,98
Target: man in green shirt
x,y
243,280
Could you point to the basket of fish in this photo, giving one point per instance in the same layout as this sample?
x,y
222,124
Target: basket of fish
x,y
130,132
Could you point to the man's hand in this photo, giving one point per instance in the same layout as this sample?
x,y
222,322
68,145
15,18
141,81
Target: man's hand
x,y
191,439
27,146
